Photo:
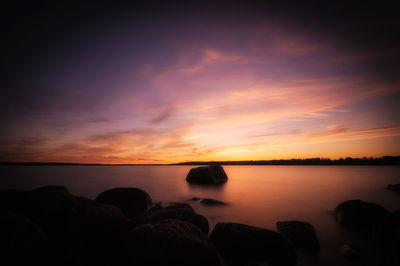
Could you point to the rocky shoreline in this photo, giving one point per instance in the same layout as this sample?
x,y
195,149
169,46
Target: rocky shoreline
x,y
122,226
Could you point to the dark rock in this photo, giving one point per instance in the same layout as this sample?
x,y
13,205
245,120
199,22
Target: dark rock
x,y
360,215
212,202
207,175
183,214
351,253
156,206
132,201
302,235
79,230
14,200
22,242
396,223
60,189
396,217
169,242
240,244
100,232
384,231
178,205
394,187
55,210
257,264
195,199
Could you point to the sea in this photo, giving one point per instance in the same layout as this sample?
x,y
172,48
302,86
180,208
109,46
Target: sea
x,y
255,195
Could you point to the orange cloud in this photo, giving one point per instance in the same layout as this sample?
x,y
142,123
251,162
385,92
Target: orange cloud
x,y
360,133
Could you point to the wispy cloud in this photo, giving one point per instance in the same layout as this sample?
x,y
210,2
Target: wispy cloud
x,y
292,132
337,130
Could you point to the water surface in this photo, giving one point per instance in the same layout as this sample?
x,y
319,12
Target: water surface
x,y
256,195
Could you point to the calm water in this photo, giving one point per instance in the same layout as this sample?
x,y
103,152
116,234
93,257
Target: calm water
x,y
257,195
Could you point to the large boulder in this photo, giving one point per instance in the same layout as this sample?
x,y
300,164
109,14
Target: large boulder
x,y
14,199
360,216
302,235
183,214
22,241
168,242
132,201
242,244
207,175
79,230
100,232
55,210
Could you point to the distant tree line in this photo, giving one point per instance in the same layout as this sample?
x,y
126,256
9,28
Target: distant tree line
x,y
385,160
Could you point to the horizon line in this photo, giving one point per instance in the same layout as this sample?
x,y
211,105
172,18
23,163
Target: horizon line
x,y
317,160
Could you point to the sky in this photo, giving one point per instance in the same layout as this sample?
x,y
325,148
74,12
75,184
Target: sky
x,y
175,81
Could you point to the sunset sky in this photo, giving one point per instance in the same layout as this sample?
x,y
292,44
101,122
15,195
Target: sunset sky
x,y
221,80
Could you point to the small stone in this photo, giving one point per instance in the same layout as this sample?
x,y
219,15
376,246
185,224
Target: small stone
x,y
350,252
209,201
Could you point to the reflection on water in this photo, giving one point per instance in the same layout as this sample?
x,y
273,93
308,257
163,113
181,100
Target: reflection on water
x,y
256,195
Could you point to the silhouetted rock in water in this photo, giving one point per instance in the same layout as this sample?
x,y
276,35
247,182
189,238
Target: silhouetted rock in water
x,y
195,199
241,244
207,175
178,205
22,242
132,201
212,202
359,215
395,187
169,242
183,214
351,253
302,235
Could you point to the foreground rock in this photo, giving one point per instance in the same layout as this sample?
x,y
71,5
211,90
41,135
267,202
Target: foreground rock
x,y
183,214
302,235
22,241
242,244
78,230
14,199
207,175
396,217
360,215
178,205
132,201
212,202
351,253
394,187
169,242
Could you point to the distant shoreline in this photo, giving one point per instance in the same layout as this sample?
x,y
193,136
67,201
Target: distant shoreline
x,y
385,160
